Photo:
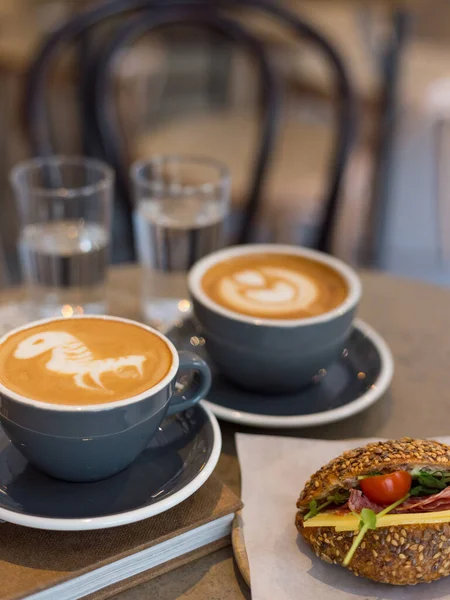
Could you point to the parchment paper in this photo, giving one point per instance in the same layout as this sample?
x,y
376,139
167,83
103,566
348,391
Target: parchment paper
x,y
282,566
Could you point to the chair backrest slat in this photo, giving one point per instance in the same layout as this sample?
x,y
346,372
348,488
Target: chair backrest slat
x,y
107,119
155,14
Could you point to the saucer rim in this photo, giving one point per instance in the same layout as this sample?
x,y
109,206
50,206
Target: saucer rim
x,y
131,516
334,415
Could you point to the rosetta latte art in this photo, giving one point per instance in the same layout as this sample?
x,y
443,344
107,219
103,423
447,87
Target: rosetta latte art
x,y
268,291
69,356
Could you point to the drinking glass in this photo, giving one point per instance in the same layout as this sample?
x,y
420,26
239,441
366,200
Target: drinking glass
x,y
181,206
65,206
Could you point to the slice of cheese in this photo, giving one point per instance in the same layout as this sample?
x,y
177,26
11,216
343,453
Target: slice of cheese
x,y
350,522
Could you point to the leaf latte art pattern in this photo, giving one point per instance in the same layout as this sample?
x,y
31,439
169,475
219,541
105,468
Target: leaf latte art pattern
x,y
267,291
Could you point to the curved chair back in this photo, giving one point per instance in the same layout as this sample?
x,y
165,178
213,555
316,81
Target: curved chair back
x,y
155,14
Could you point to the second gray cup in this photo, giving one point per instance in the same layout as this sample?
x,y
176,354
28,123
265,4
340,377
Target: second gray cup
x,y
266,355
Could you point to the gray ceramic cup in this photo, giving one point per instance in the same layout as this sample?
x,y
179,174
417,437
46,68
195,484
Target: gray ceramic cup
x,y
88,443
270,355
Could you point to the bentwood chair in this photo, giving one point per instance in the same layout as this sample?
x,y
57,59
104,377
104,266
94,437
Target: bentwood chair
x,y
100,118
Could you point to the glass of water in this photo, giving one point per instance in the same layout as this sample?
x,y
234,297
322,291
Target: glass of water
x,y
65,206
181,206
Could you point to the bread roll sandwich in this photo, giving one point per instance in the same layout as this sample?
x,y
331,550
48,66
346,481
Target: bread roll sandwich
x,y
382,511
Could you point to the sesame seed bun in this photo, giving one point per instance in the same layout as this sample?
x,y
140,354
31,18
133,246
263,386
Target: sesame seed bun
x,y
380,457
399,555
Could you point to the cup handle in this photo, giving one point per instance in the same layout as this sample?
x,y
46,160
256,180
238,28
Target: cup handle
x,y
199,387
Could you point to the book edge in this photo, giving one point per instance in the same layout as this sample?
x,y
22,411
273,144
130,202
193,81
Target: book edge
x,y
171,565
224,523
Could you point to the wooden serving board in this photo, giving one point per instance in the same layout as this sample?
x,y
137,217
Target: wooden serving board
x,y
239,550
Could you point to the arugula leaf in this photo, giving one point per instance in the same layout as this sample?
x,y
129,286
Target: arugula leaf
x,y
312,510
431,481
444,475
338,497
419,490
369,518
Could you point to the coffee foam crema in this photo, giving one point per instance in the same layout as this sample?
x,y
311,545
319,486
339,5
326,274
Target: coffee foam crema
x,y
275,286
83,361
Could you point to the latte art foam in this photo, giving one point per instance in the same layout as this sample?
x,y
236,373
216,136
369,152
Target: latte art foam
x,y
83,361
268,290
275,286
69,356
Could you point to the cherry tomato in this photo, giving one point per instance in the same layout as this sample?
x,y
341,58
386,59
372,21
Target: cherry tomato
x,y
386,489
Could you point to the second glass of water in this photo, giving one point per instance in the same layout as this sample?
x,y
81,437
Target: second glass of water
x,y
65,206
181,207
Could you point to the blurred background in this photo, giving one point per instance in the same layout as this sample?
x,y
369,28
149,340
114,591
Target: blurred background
x,y
186,90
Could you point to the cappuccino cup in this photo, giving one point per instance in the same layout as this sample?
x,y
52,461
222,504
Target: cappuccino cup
x,y
274,316
81,398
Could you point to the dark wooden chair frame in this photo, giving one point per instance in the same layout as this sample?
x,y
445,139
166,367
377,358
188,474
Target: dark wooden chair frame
x,y
154,14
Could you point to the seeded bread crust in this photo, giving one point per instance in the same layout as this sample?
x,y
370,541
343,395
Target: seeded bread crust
x,y
402,555
383,457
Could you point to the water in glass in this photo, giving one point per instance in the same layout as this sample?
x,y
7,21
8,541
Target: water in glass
x,y
65,206
172,235
65,265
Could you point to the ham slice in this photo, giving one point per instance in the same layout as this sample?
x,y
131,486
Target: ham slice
x,y
435,502
415,504
358,501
